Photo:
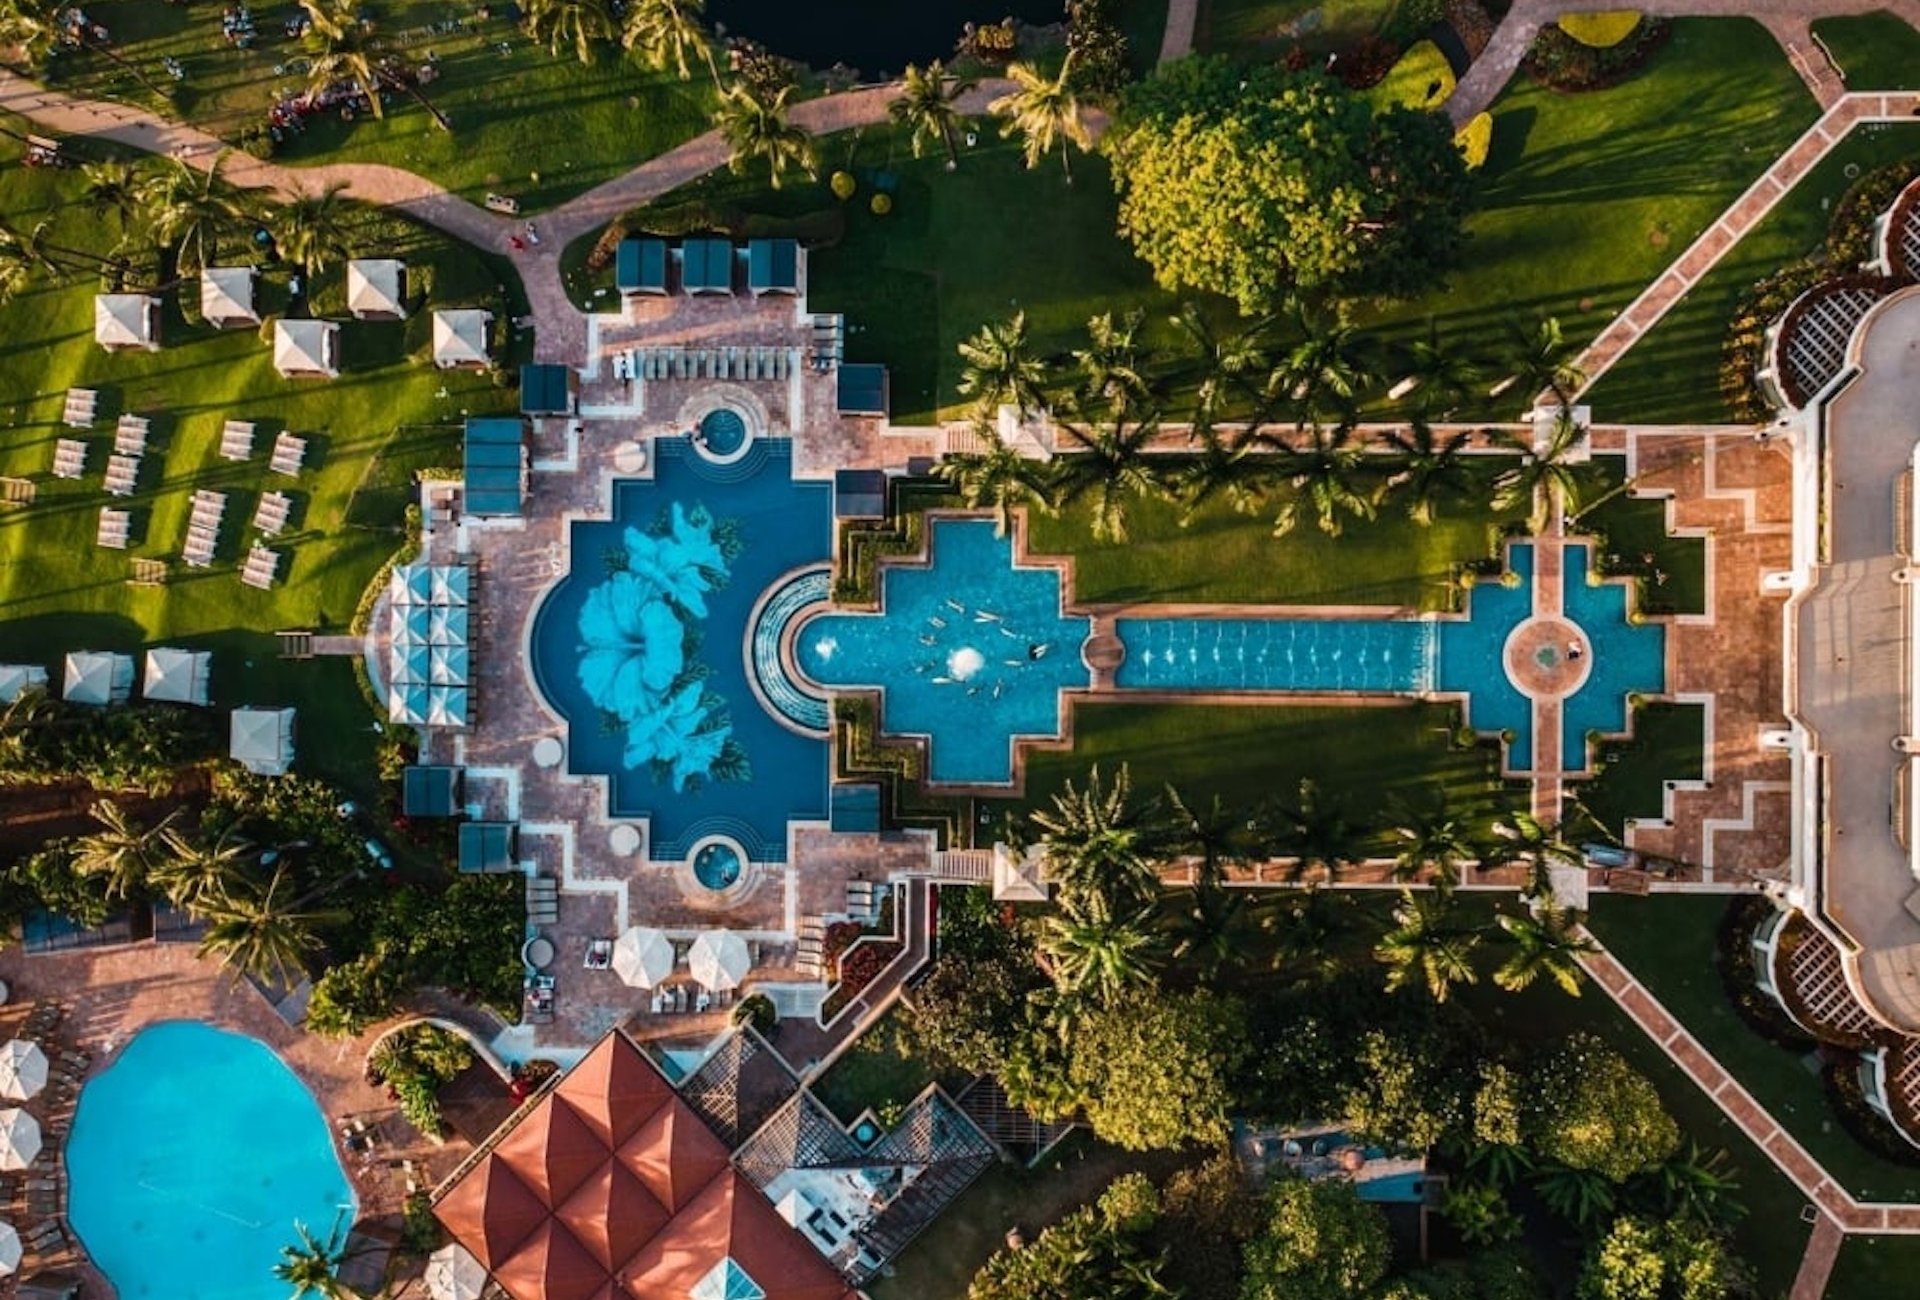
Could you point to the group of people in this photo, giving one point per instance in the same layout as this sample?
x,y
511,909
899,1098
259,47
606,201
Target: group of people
x,y
236,24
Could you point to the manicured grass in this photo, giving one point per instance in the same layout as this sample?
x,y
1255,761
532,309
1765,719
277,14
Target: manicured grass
x,y
1668,745
367,431
525,122
1671,375
1876,51
1674,579
1873,1268
1264,27
1668,944
878,1071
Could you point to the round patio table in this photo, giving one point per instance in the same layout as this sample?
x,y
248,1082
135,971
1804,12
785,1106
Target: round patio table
x,y
624,840
547,752
630,458
538,952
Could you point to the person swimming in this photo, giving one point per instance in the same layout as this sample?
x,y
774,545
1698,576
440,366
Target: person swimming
x,y
986,616
928,638
955,605
937,621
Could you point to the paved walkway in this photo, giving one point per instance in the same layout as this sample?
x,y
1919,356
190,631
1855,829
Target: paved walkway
x,y
1816,1265
1183,16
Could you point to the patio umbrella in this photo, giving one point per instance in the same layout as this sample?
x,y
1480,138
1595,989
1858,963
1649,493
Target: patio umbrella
x,y
642,957
23,1069
9,1249
719,960
19,1138
453,1274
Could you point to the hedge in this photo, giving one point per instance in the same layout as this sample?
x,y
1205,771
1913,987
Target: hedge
x,y
1602,29
1422,79
1475,139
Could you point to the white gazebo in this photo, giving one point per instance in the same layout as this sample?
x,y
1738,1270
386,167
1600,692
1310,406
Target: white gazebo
x,y
19,1138
262,740
97,677
460,339
23,1069
376,288
453,1274
642,957
178,675
1019,877
226,297
17,679
305,349
9,1249
719,960
123,322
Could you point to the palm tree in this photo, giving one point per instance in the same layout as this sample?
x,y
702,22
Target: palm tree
x,y
37,27
1431,838
756,127
257,931
311,1266
1693,1183
1329,365
1109,467
315,230
1306,925
1209,928
1542,359
1439,375
1111,365
121,851
997,369
1212,833
192,211
1583,1197
1327,472
33,251
1545,477
342,46
112,188
1313,830
1429,469
925,106
579,23
197,872
1426,946
663,31
1549,943
1096,957
1236,473
1044,111
1096,840
1223,364
1522,837
1000,477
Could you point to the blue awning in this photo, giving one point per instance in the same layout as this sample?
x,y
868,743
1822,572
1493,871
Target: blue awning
x,y
706,265
863,390
545,390
773,265
429,791
640,266
487,846
495,465
859,494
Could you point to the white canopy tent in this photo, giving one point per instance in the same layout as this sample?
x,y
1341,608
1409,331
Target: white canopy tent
x,y
642,957
98,678
23,1069
446,706
460,339
19,1138
178,675
9,1249
376,288
407,703
306,348
719,960
261,740
17,679
125,321
453,1274
226,297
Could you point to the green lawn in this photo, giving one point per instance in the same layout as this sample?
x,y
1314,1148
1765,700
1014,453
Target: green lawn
x,y
367,431
1672,374
1874,1268
1668,943
1268,27
1876,51
876,1072
525,122
1668,745
1674,579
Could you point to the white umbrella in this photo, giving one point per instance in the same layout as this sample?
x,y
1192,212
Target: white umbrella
x,y
642,957
719,960
23,1069
19,1138
9,1249
453,1274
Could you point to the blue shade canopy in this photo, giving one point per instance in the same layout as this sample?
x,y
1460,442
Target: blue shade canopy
x,y
545,389
727,1281
429,791
486,846
863,390
408,704
706,266
640,266
773,265
494,462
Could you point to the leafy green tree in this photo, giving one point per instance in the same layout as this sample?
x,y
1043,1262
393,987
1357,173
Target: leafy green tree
x,y
352,995
48,877
1222,365
1442,375
1329,476
927,107
259,932
1640,1259
1432,839
1157,1070
1541,845
1406,1091
1111,365
1044,112
969,1009
1325,371
1312,829
193,211
1495,1150
1098,840
583,24
1098,1252
1549,942
1320,1242
1692,1184
199,870
1208,1212
1593,1110
1480,1214
998,368
1583,1197
36,28
999,477
663,32
1428,946
112,189
1106,464
343,45
756,128
1095,955
1428,469
1257,183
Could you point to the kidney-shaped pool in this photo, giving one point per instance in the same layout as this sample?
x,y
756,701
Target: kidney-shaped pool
x,y
190,1161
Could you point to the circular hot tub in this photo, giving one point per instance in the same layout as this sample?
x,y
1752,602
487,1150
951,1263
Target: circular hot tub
x,y
722,435
717,863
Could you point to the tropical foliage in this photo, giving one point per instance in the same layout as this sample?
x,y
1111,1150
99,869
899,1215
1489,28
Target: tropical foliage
x,y
1594,1111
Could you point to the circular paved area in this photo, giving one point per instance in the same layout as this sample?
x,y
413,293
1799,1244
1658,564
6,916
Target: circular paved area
x,y
1548,658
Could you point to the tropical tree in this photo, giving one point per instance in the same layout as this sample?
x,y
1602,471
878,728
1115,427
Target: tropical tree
x,y
582,24
1427,946
1157,1070
999,477
1522,837
342,46
1320,1241
1639,1259
1545,479
1107,466
257,931
1693,1184
1209,925
1431,838
1582,1197
1044,111
1212,834
1549,942
1238,474
998,368
1096,840
197,872
1222,366
1209,928
757,128
664,32
1329,474
315,230
121,852
1092,1252
927,107
1306,925
1592,1110
1325,369
37,27
33,252
1438,375
1312,829
192,211
1480,1214
1093,956
1111,364
311,1265
1429,468
112,188
1541,358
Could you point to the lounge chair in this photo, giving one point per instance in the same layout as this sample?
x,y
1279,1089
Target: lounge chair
x,y
130,435
263,566
288,454
236,440
82,404
69,458
114,528
123,473
270,516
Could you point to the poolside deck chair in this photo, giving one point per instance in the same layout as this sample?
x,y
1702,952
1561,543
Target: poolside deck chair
x,y
17,491
69,458
203,527
288,453
82,404
123,473
114,527
270,516
130,435
236,439
263,566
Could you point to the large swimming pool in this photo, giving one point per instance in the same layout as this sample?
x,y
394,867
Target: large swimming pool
x,y
190,1161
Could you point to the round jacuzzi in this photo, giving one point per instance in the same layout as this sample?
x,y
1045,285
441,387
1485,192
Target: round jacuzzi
x,y
717,864
723,434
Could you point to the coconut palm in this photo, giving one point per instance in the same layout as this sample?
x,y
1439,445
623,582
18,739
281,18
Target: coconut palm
x,y
258,932
1209,928
112,189
1107,466
32,250
342,46
1431,839
315,230
756,127
38,27
1306,926
1328,473
1044,112
312,1264
195,872
1000,477
998,369
1325,370
192,211
583,24
1583,1197
121,852
1522,837
1111,365
1541,359
1438,375
1429,468
1223,366
1545,479
1312,830
1427,946
926,107
1096,840
1096,957
663,32
1236,473
1693,1183
1211,833
1549,943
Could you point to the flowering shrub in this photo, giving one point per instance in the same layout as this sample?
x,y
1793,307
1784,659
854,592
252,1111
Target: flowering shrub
x,y
858,968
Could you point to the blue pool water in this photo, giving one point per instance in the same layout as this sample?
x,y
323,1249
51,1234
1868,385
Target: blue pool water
x,y
1627,659
724,431
1275,654
642,648
717,866
1472,658
192,1157
970,652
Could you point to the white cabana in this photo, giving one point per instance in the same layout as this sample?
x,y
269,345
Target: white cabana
x,y
261,740
178,675
97,677
306,348
447,625
447,665
19,1138
17,679
642,957
453,1274
226,297
23,1069
460,339
719,960
1019,877
409,665
9,1249
125,321
376,288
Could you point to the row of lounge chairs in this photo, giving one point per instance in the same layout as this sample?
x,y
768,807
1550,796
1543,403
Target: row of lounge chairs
x,y
203,527
69,458
262,567
82,406
703,363
236,440
289,453
543,900
116,525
